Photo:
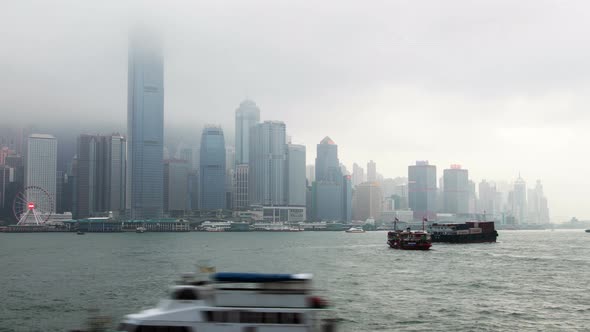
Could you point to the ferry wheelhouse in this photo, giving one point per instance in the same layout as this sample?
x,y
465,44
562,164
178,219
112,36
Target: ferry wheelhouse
x,y
237,302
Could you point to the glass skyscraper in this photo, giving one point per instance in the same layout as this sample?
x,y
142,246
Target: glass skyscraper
x,y
212,169
145,129
247,116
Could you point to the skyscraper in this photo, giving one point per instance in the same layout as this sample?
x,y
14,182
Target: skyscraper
x,y
310,173
358,175
371,171
267,161
331,190
212,169
456,190
422,190
247,116
519,201
41,164
296,181
240,196
145,128
176,186
368,201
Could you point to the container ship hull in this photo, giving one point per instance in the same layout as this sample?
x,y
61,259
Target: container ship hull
x,y
469,232
467,238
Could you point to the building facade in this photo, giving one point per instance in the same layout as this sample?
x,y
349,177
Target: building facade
x,y
267,161
422,190
456,190
296,179
176,187
247,116
212,169
371,171
368,201
41,165
145,129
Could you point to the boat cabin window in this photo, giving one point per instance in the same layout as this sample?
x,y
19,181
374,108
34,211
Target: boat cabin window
x,y
185,294
152,328
253,317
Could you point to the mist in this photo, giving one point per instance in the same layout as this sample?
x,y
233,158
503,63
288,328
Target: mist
x,y
496,86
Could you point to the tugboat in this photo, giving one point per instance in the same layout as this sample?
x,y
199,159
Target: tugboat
x,y
237,302
408,239
469,232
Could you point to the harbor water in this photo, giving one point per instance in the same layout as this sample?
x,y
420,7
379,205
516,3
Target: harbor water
x,y
528,281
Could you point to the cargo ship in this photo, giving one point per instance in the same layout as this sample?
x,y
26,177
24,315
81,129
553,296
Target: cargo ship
x,y
469,232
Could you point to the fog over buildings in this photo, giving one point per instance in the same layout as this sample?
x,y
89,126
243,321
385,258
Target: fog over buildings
x,y
500,87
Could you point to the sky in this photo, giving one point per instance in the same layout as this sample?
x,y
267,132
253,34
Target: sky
x,y
500,87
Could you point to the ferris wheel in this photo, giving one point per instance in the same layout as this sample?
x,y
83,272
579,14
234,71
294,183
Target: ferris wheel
x,y
32,206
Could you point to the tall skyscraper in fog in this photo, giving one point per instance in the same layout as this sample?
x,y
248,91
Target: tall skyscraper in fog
x,y
145,128
41,164
247,116
267,162
212,169
519,201
371,171
358,175
456,190
422,190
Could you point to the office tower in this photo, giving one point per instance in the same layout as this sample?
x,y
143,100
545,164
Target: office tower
x,y
331,190
230,165
100,175
193,189
296,181
368,201
176,187
371,171
358,175
519,201
41,165
310,174
267,161
456,190
186,154
422,190
247,116
240,196
537,205
488,202
145,129
212,183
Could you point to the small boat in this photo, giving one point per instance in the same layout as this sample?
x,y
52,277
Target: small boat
x,y
237,302
140,229
588,230
355,230
80,232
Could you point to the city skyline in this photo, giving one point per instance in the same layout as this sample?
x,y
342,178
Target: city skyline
x,y
537,122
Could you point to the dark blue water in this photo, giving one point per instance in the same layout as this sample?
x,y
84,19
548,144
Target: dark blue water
x,y
528,281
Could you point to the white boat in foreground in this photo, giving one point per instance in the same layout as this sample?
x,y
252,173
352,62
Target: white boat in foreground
x,y
237,302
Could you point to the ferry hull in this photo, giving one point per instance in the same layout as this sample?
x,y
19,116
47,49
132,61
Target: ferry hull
x,y
409,246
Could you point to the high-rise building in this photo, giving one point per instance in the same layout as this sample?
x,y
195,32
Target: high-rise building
x,y
100,175
422,190
186,153
145,129
212,169
519,201
267,161
296,181
332,191
247,116
41,164
537,205
371,171
368,201
456,190
310,174
358,175
176,186
240,195
488,201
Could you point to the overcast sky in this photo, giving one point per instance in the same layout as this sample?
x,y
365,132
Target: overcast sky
x,y
500,87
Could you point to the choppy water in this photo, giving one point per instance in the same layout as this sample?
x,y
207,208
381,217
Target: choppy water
x,y
530,280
